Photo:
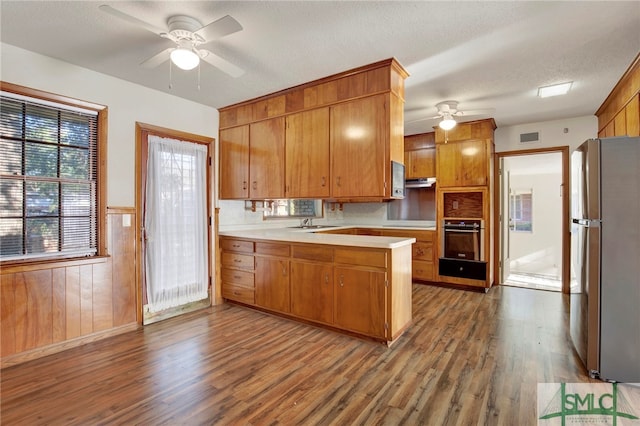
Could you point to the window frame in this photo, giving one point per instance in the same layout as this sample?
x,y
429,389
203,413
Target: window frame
x,y
101,152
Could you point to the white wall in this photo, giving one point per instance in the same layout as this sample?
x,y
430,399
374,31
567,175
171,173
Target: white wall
x,y
127,103
552,134
541,248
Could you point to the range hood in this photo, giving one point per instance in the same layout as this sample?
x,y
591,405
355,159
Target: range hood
x,y
420,182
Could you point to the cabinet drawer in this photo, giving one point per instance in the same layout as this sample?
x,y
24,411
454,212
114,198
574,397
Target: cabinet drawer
x,y
239,294
241,278
312,252
236,245
353,256
422,251
422,270
240,261
273,249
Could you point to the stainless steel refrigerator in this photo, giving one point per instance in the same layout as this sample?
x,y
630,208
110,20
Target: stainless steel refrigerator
x,y
605,257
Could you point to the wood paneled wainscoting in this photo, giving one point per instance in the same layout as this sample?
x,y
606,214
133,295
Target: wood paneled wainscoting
x,y
51,306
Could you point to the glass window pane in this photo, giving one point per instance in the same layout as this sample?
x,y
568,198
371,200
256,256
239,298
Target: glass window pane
x,y
74,130
11,201
74,233
41,124
11,237
42,198
42,235
11,158
76,199
74,163
11,118
41,160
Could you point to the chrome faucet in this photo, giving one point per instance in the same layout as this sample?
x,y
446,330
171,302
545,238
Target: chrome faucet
x,y
306,221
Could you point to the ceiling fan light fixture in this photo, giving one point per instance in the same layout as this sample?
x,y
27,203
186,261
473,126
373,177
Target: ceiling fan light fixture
x,y
447,123
184,58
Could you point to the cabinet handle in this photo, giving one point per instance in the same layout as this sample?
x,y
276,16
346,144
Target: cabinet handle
x,y
237,260
338,181
324,181
420,252
244,184
341,280
326,278
255,184
284,271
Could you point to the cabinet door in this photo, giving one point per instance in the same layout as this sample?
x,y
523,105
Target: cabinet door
x,y
420,163
359,134
312,291
272,283
632,111
360,300
307,154
462,163
266,159
234,163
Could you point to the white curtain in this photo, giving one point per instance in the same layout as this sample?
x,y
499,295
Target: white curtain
x,y
175,223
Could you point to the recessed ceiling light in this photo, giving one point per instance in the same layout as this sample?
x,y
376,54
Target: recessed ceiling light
x,y
554,90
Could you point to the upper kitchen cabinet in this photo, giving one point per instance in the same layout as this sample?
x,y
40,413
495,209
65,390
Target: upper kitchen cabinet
x,y
252,160
619,114
307,154
234,150
420,155
463,154
341,135
358,138
266,159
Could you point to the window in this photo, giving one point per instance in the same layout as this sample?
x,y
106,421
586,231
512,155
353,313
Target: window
x,y
521,208
49,178
293,208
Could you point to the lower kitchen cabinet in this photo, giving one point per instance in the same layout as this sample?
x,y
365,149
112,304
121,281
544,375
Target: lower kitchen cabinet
x,y
272,284
357,289
312,291
360,301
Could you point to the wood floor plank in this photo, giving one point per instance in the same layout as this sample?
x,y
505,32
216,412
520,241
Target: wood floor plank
x,y
468,358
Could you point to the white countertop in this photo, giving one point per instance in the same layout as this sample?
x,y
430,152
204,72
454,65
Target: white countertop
x,y
296,235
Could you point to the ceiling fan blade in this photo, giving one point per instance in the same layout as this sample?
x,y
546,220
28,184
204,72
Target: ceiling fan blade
x,y
156,60
130,19
468,113
220,63
437,117
220,28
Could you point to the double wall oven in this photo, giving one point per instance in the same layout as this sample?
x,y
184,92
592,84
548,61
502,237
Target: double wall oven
x,y
463,248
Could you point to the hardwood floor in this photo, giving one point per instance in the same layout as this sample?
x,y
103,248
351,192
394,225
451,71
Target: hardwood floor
x,y
469,358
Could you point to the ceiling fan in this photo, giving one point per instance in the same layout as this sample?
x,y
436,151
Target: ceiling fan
x,y
447,111
188,34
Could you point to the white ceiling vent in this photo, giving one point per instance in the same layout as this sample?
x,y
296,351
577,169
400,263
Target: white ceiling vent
x,y
529,137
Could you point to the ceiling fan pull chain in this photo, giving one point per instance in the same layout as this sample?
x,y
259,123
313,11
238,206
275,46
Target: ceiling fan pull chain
x,y
170,80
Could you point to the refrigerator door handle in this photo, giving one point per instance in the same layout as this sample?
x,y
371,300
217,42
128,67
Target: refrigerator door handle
x,y
589,223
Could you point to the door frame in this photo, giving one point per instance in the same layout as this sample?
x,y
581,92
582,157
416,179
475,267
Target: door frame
x,y
566,231
143,131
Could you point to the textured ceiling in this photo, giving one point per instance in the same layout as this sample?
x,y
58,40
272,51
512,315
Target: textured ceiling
x,y
485,55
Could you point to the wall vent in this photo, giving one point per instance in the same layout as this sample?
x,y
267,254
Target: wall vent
x,y
529,137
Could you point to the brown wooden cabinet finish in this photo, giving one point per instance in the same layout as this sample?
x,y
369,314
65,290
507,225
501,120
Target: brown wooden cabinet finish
x,y
307,154
234,163
266,159
360,301
632,113
463,163
272,284
359,136
237,270
420,163
312,291
619,114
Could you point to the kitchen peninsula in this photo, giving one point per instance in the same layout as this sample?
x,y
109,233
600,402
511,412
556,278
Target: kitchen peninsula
x,y
355,284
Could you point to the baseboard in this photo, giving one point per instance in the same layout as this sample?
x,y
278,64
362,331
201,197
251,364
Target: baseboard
x,y
22,357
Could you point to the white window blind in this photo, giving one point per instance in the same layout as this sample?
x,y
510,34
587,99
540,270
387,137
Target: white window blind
x,y
48,179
